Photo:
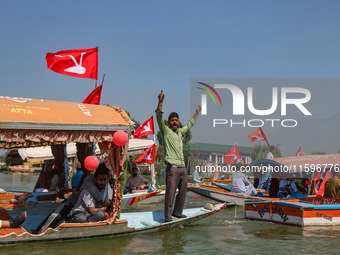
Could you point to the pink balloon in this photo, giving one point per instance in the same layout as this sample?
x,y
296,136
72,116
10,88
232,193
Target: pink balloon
x,y
120,138
303,154
91,163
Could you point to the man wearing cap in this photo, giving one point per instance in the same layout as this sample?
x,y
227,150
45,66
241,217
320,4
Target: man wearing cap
x,y
176,172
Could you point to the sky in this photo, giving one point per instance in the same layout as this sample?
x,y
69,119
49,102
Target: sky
x,y
150,45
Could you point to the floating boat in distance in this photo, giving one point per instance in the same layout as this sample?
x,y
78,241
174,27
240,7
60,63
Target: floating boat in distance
x,y
225,181
304,212
222,195
131,199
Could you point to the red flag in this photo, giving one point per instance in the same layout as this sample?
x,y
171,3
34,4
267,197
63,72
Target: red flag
x,y
94,97
321,191
317,176
148,156
147,128
232,155
257,135
82,63
299,152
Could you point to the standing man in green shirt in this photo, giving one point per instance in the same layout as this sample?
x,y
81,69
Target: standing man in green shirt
x,y
176,172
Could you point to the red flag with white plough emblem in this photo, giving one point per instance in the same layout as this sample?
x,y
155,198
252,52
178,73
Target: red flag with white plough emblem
x,y
81,63
258,134
148,156
147,128
232,155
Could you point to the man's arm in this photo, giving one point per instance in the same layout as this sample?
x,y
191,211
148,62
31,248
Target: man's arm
x,y
93,209
246,181
160,101
191,122
144,182
22,196
128,184
198,110
159,112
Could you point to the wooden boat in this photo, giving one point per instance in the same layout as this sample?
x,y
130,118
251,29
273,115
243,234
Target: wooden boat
x,y
131,199
222,195
225,181
8,201
128,223
28,122
155,199
304,212
293,167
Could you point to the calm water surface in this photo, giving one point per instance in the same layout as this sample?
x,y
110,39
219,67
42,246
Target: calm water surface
x,y
227,232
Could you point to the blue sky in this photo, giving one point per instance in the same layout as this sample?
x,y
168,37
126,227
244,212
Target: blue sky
x,y
149,45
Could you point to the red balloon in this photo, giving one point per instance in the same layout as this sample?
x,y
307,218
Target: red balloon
x,y
91,163
120,138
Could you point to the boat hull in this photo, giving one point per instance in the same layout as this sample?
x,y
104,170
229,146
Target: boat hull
x,y
224,196
128,224
305,212
138,198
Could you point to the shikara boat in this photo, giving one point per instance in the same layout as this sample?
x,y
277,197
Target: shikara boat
x,y
286,167
28,122
8,201
127,224
131,199
225,181
155,199
304,212
223,195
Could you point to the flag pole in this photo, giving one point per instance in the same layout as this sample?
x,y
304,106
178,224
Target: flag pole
x,y
95,85
266,138
152,171
103,79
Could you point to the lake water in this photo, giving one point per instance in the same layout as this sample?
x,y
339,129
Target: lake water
x,y
226,232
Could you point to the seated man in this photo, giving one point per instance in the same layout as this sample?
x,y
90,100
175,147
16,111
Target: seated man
x,y
241,184
135,182
196,177
87,208
332,186
287,188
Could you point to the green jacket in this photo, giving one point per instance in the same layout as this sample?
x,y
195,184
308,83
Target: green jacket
x,y
173,142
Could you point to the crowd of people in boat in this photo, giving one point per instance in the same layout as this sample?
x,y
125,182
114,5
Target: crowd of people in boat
x,y
296,185
93,200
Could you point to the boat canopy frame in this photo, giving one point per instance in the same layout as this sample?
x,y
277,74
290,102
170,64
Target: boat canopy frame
x,y
26,122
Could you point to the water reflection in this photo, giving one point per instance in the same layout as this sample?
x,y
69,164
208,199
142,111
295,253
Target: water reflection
x,y
225,232
18,182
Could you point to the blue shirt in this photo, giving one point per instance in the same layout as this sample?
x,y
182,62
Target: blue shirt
x,y
76,179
